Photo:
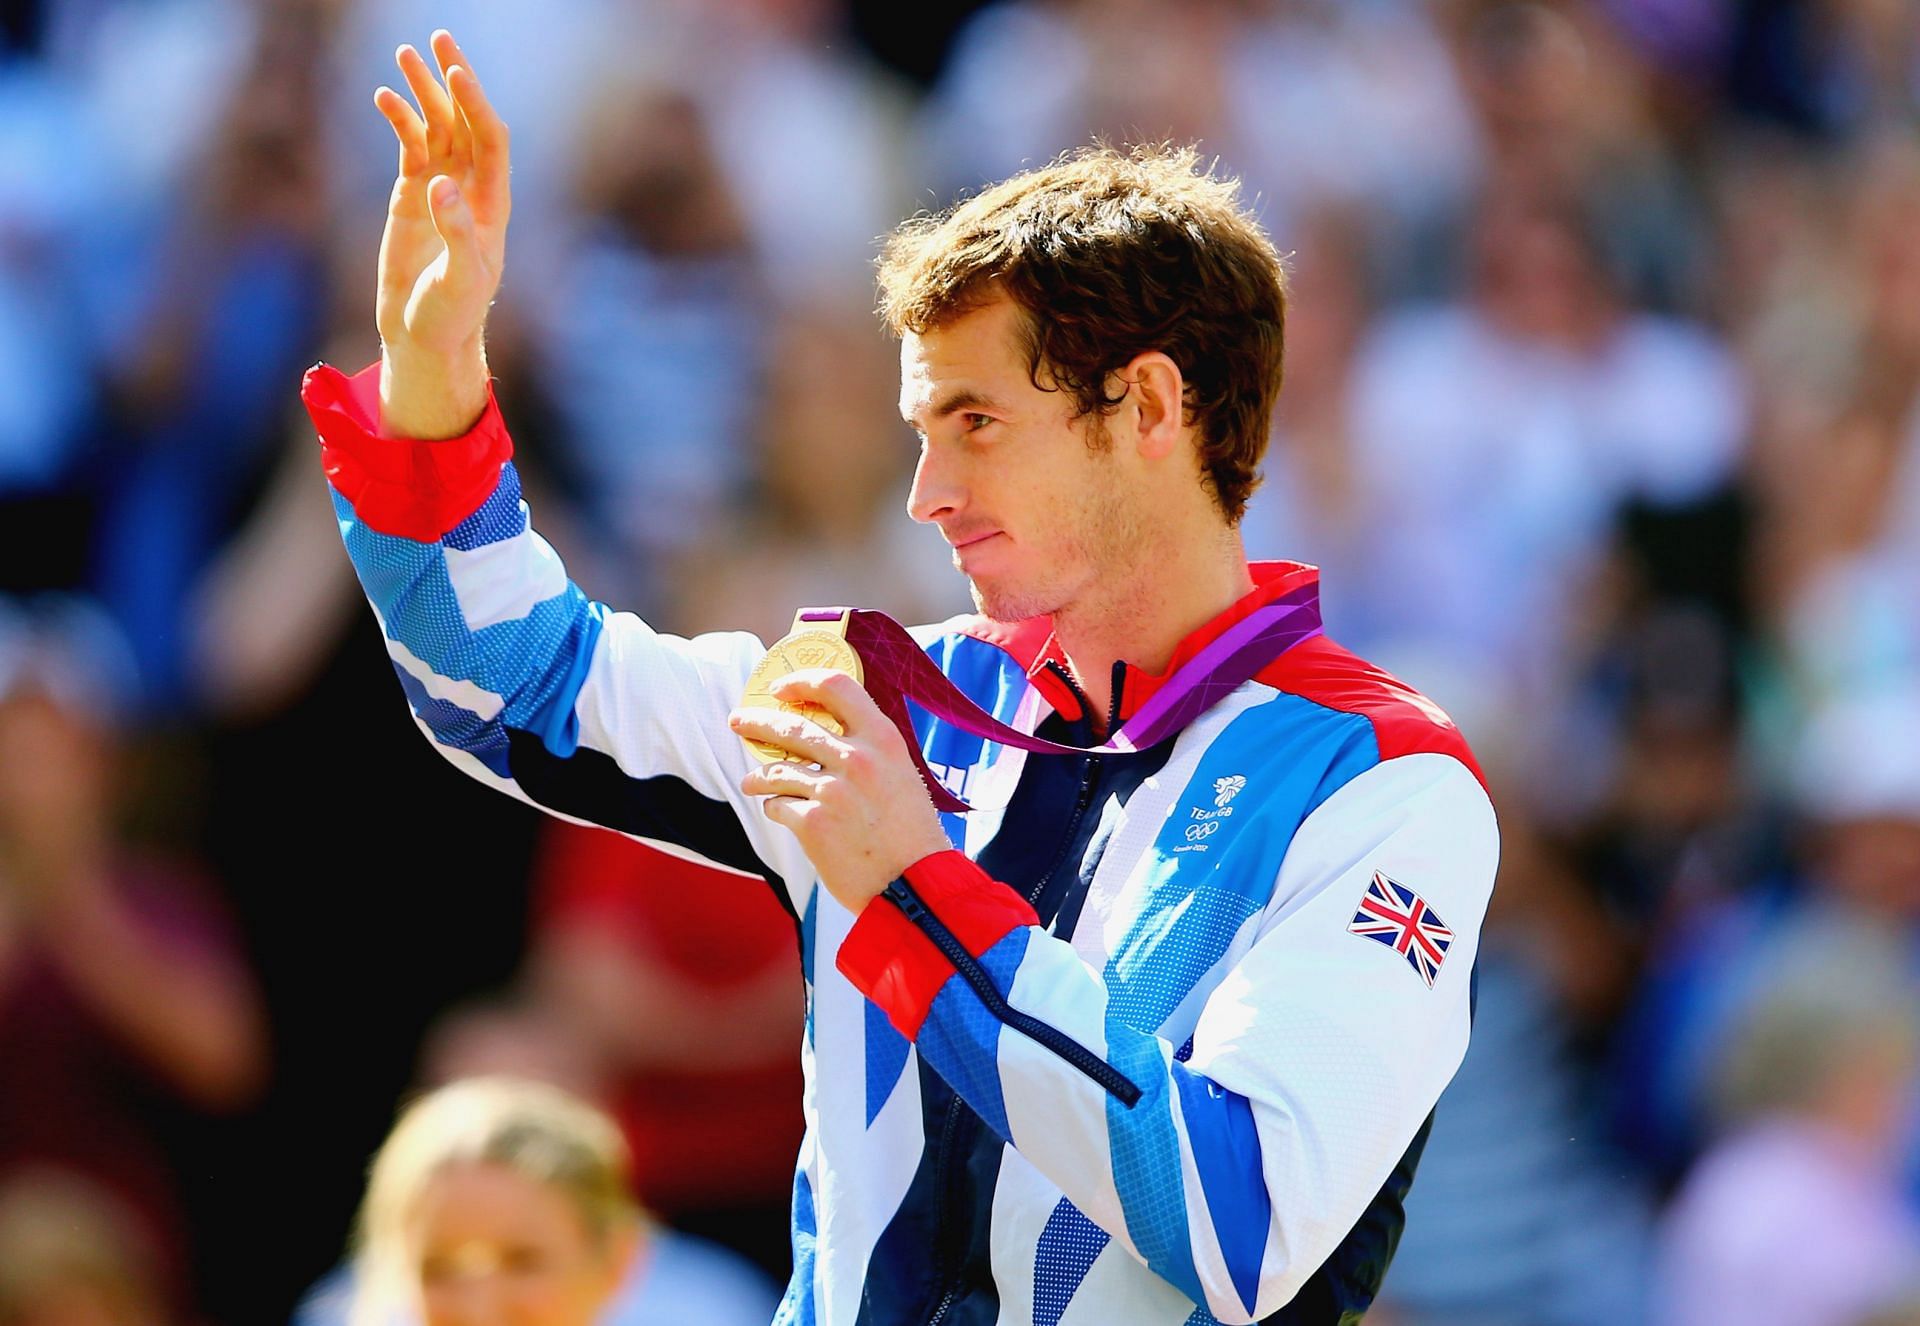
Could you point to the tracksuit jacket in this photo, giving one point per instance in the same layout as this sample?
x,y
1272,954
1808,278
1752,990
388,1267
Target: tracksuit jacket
x,y
1158,1042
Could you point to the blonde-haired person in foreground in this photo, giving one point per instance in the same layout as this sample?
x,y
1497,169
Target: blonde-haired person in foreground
x,y
502,1202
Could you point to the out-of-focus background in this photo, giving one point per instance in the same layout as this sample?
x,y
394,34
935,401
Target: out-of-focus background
x,y
1601,419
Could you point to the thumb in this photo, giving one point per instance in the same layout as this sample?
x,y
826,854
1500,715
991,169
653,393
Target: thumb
x,y
454,220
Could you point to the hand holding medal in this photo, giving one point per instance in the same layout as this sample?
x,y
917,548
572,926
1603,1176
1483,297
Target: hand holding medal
x,y
833,767
808,645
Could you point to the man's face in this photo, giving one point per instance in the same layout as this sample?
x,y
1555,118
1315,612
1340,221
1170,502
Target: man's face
x,y
1038,518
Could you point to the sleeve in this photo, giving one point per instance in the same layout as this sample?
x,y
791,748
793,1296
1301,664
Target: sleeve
x,y
516,677
1236,1173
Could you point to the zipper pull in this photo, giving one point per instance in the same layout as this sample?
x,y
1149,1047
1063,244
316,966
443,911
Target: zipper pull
x,y
906,899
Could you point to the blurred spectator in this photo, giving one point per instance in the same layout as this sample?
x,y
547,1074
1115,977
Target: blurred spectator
x,y
1521,1215
1794,1217
239,299
1842,480
1315,103
503,1200
51,187
669,992
828,523
1307,507
43,348
1496,438
1857,788
683,982
71,1254
1830,67
120,985
652,355
809,132
1566,111
186,47
1681,826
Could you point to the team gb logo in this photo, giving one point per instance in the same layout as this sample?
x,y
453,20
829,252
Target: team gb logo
x,y
1226,789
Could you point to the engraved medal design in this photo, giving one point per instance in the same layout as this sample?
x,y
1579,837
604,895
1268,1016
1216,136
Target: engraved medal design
x,y
810,644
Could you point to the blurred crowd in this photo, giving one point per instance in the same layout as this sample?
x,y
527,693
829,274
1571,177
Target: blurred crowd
x,y
1602,418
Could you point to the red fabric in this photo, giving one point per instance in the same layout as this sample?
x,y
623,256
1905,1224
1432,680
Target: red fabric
x,y
707,925
697,1139
890,959
1030,643
409,489
1405,722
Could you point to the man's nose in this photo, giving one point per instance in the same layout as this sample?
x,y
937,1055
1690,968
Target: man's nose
x,y
936,493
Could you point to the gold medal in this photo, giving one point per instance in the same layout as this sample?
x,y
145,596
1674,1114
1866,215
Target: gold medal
x,y
821,644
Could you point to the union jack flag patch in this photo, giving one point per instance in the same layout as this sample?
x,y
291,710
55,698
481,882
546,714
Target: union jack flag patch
x,y
1396,916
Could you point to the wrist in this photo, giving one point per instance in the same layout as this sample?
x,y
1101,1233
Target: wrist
x,y
916,861
432,395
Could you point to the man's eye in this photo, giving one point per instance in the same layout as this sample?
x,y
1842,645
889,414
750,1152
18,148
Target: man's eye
x,y
975,422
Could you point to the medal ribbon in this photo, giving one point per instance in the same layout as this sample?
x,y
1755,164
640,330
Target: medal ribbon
x,y
899,670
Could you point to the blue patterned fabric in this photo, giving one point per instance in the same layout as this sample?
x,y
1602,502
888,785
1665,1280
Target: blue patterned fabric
x,y
961,1039
1066,1251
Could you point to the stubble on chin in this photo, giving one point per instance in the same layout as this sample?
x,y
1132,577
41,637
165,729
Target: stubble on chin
x,y
1008,607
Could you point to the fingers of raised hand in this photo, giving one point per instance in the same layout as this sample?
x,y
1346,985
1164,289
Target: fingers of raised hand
x,y
488,134
436,108
407,127
791,732
447,52
452,61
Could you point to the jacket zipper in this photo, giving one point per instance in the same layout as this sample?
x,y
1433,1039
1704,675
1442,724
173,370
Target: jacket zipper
x,y
949,1269
1089,773
1089,777
1111,1079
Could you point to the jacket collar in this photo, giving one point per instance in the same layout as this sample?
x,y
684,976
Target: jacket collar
x,y
1047,669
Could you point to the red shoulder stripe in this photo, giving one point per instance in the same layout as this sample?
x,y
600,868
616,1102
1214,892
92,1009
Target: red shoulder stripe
x,y
1405,722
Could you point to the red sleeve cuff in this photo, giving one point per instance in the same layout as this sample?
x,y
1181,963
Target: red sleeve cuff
x,y
893,962
398,486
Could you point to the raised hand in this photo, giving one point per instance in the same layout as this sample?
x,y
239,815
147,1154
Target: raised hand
x,y
444,246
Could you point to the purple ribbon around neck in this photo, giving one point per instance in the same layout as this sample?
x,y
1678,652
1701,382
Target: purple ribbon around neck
x,y
899,670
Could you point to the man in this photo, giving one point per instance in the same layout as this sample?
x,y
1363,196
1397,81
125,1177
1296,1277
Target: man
x,y
1152,1034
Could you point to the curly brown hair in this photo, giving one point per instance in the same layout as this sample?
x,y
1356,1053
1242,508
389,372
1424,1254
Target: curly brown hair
x,y
1110,254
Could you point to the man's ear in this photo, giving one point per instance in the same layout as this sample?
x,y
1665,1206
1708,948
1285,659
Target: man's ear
x,y
1156,394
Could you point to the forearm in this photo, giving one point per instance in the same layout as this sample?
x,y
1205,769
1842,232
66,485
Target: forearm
x,y
191,1016
517,677
431,396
